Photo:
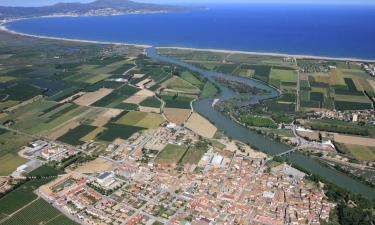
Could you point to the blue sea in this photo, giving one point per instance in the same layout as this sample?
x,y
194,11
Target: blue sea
x,y
324,30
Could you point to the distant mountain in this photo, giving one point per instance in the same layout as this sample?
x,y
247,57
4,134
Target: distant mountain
x,y
96,8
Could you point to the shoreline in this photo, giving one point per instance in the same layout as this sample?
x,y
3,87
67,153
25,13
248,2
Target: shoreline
x,y
3,28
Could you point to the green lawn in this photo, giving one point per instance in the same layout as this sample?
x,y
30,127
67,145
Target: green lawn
x,y
171,154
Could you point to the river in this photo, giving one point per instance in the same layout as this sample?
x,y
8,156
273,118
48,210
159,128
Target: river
x,y
265,144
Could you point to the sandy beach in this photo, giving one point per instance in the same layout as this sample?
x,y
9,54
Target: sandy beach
x,y
5,29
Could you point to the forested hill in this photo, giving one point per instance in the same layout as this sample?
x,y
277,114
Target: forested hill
x,y
98,7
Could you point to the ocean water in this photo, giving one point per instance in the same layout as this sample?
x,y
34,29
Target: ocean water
x,y
326,30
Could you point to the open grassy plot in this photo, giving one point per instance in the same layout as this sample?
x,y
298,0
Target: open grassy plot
x,y
345,105
180,85
114,131
226,68
283,75
209,90
194,153
21,92
339,127
201,126
4,79
176,100
141,119
117,96
151,102
39,212
64,94
76,112
7,104
21,196
258,121
91,97
45,170
171,154
192,79
177,116
361,152
93,134
262,72
10,144
73,136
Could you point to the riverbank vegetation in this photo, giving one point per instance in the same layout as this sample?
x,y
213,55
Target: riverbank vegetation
x,y
240,87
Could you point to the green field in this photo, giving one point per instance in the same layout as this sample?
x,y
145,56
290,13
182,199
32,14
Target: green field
x,y
73,136
192,79
361,152
151,102
340,127
116,98
10,144
176,101
15,93
114,131
171,154
45,170
283,75
141,119
258,121
209,90
21,196
39,212
194,153
181,86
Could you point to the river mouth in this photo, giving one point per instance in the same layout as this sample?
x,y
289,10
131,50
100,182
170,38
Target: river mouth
x,y
243,134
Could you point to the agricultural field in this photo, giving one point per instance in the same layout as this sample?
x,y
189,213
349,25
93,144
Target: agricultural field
x,y
178,85
152,102
201,126
173,100
209,90
73,137
10,144
360,152
141,119
21,196
39,212
341,127
114,131
258,121
171,154
323,84
194,153
192,79
177,116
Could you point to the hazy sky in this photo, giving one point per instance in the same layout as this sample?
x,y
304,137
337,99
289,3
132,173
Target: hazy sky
x,y
202,2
